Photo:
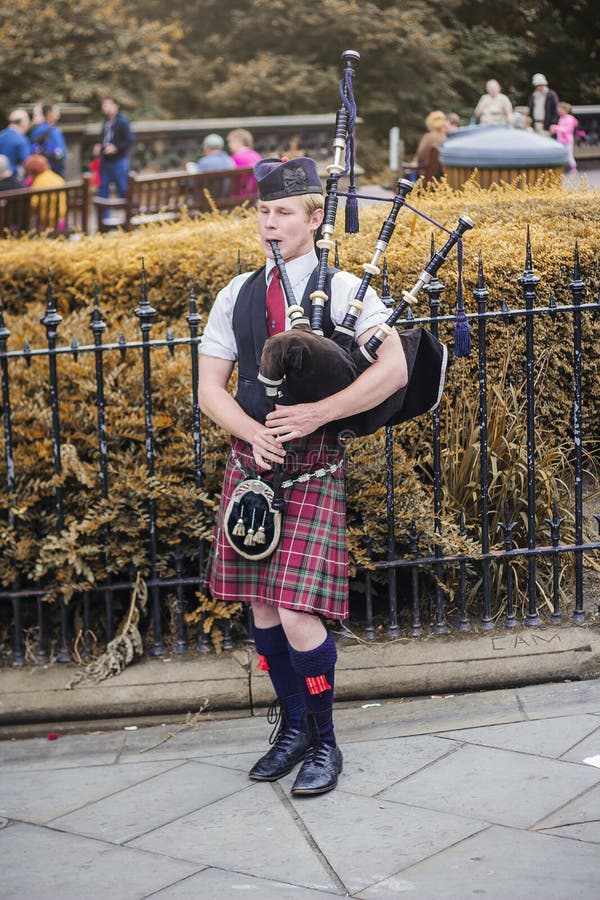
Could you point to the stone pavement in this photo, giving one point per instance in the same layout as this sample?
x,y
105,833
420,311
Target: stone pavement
x,y
494,793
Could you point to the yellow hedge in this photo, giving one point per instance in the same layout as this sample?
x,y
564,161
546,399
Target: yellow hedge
x,y
206,250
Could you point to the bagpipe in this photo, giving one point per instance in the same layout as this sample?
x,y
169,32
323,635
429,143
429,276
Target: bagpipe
x,y
302,365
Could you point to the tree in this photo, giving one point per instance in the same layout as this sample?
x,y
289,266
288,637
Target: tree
x,y
189,58
65,51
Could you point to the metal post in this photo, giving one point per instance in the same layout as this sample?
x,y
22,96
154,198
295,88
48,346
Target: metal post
x,y
481,294
146,314
577,288
528,282
51,320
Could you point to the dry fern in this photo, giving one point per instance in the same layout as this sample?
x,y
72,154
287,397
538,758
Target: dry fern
x,y
123,648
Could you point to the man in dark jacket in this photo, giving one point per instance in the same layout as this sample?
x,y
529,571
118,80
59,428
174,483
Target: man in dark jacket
x,y
542,105
113,149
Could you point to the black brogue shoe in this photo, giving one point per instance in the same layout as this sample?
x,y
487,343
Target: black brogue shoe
x,y
320,770
287,751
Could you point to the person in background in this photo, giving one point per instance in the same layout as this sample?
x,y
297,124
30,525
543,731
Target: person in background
x,y
8,181
452,123
113,150
13,141
37,114
241,147
214,155
521,118
493,107
51,209
427,156
47,138
564,131
543,104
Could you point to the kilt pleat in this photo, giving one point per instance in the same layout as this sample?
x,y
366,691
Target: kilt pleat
x,y
308,571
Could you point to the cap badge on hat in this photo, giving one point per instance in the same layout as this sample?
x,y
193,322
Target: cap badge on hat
x,y
294,179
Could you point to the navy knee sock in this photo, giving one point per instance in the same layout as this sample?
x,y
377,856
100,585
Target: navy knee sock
x,y
316,669
273,649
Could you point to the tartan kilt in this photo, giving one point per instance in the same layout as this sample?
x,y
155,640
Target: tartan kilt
x,y
308,570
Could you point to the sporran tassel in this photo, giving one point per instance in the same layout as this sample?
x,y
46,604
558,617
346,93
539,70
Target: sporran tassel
x,y
249,539
239,529
260,537
462,335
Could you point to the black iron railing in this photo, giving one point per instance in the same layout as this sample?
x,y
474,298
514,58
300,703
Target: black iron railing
x,y
429,570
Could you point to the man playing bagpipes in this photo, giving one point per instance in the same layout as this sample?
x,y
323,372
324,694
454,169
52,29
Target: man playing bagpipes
x,y
290,564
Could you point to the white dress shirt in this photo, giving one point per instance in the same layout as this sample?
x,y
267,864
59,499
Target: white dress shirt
x,y
218,339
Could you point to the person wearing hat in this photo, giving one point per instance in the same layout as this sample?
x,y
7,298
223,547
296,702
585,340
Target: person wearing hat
x,y
214,155
542,105
306,576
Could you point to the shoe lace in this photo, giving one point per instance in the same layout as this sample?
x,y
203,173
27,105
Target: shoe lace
x,y
276,718
317,754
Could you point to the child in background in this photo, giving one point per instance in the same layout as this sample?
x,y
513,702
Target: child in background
x,y
564,131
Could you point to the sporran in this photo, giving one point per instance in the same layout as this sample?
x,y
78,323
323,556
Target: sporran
x,y
252,526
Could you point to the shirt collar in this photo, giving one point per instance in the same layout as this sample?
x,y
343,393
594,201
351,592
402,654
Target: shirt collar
x,y
297,269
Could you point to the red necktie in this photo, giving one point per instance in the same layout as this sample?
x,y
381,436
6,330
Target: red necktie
x,y
275,304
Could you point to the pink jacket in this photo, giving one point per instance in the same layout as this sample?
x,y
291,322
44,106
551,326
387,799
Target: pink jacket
x,y
565,128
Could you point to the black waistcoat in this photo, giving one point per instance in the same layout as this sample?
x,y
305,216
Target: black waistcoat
x,y
250,332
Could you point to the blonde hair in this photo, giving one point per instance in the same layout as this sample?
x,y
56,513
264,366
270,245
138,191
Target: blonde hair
x,y
564,105
435,121
312,202
242,135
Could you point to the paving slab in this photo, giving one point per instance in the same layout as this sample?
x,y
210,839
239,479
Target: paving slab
x,y
542,737
78,750
38,862
499,786
42,795
209,738
424,715
587,748
398,835
250,833
496,864
134,811
216,884
582,810
589,832
371,766
560,699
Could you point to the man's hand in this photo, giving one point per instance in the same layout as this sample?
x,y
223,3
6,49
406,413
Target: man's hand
x,y
291,422
266,447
